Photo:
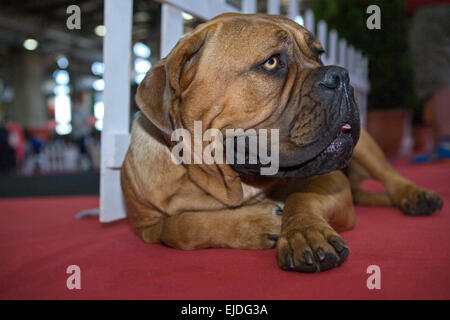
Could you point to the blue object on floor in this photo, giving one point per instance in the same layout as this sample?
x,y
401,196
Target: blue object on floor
x,y
442,152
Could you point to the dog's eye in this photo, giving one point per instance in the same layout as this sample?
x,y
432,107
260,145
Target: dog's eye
x,y
272,63
319,54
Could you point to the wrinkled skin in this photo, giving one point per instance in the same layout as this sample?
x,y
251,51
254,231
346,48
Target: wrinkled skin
x,y
328,105
309,102
257,72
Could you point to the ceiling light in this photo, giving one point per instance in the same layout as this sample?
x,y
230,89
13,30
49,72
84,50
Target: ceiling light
x,y
99,85
61,90
61,77
141,50
62,62
100,30
187,16
30,44
139,77
99,125
142,66
99,110
299,20
63,128
97,68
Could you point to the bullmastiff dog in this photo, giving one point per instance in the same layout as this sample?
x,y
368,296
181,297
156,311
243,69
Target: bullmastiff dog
x,y
262,72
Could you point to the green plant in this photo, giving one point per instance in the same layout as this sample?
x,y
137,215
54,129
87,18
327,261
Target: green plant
x,y
387,48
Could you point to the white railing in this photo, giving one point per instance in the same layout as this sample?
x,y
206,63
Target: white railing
x,y
117,43
116,96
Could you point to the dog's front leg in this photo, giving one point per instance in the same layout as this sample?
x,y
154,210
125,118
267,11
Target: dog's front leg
x,y
249,227
308,242
410,198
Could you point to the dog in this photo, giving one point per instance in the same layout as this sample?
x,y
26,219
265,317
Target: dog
x,y
257,72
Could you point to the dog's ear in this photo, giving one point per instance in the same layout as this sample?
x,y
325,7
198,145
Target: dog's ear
x,y
150,97
159,93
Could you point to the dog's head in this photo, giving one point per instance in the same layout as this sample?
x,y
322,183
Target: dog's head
x,y
261,72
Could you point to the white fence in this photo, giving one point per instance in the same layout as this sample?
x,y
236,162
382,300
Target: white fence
x,y
117,44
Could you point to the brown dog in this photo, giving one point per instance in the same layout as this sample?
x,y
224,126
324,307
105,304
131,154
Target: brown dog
x,y
261,72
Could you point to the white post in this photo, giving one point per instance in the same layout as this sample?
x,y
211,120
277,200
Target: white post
x,y
309,21
358,62
248,6
342,53
322,30
171,28
293,9
332,48
273,6
350,60
115,134
322,33
366,69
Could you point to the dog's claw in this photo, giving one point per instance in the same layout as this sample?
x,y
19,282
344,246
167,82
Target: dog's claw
x,y
320,254
416,201
337,246
308,257
311,250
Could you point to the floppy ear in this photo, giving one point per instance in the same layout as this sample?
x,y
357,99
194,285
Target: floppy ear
x,y
159,93
150,97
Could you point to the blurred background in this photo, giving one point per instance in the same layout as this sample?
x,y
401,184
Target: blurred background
x,y
51,83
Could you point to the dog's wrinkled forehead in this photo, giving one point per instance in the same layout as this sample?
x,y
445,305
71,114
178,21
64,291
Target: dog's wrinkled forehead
x,y
236,36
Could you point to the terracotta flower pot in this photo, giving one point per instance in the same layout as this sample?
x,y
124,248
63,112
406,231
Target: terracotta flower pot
x,y
423,138
388,128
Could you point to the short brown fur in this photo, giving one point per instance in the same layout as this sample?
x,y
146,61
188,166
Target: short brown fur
x,y
199,206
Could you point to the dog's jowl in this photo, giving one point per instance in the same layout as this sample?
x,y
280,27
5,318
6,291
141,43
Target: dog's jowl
x,y
256,73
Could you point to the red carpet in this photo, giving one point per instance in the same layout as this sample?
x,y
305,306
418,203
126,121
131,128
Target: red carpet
x,y
39,238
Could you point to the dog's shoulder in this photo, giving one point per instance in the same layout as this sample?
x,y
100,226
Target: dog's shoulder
x,y
155,177
148,164
147,140
150,152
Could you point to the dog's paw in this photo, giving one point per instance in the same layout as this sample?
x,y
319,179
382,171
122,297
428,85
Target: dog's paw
x,y
416,201
259,228
311,249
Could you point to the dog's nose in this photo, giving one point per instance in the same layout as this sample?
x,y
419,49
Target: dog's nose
x,y
334,77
